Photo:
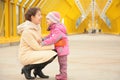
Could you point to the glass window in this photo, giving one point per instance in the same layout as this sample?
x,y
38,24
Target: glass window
x,y
17,15
2,18
11,19
26,2
20,1
108,22
32,2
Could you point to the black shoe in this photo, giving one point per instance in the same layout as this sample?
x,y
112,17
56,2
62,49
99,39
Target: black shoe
x,y
26,70
38,68
40,74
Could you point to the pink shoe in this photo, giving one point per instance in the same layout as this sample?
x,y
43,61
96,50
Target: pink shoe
x,y
60,77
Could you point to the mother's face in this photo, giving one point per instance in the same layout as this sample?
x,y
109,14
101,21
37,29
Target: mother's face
x,y
37,18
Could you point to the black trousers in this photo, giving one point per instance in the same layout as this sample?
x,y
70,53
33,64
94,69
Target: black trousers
x,y
42,65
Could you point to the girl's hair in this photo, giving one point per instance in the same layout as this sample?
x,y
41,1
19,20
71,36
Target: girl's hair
x,y
31,12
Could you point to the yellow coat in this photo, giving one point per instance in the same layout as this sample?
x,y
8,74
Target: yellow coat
x,y
30,50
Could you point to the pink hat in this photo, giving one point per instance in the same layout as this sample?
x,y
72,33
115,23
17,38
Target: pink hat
x,y
54,16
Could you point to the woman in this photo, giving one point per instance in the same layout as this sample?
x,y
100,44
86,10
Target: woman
x,y
31,54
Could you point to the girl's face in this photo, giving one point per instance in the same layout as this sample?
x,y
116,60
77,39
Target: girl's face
x,y
49,22
37,18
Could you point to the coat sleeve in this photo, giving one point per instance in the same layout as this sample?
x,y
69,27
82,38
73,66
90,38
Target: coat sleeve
x,y
46,37
55,36
32,42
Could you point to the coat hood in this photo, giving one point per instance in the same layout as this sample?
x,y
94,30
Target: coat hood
x,y
27,25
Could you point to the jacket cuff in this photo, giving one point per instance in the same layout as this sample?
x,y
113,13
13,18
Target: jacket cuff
x,y
43,44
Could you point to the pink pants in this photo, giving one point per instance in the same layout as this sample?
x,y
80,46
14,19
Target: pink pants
x,y
63,68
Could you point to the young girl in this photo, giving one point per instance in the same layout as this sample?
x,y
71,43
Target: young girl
x,y
58,36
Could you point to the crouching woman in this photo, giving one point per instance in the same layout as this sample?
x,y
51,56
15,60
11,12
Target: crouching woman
x,y
31,54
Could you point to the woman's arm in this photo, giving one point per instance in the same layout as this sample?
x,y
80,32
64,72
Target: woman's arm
x,y
32,42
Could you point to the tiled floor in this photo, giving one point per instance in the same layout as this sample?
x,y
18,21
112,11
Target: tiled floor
x,y
92,57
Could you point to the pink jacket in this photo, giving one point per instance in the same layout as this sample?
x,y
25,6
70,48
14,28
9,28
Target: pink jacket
x,y
57,31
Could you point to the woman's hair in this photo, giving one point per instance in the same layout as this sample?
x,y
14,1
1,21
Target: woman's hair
x,y
31,12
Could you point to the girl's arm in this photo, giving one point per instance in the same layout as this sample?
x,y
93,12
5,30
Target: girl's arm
x,y
56,36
